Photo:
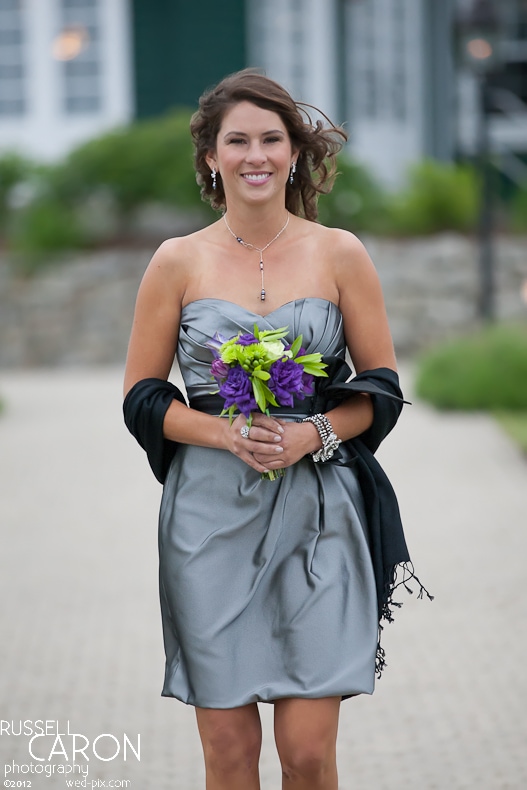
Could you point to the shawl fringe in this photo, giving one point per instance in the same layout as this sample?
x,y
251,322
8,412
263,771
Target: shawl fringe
x,y
399,575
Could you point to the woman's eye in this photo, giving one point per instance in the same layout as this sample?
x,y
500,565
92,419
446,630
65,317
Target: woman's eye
x,y
236,140
272,139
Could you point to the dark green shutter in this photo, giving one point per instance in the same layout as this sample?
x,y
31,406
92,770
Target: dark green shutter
x,y
182,47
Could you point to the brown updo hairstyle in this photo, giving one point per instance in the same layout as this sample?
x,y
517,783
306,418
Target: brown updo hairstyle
x,y
317,144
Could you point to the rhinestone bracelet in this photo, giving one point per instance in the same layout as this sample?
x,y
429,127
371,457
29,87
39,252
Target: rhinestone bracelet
x,y
329,439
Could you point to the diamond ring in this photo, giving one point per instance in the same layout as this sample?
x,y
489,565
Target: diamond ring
x,y
244,430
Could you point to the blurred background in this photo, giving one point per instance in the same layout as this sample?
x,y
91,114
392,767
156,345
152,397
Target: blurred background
x,y
96,161
95,171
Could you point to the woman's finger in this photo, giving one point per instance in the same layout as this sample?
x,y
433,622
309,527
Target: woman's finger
x,y
244,445
258,431
263,449
270,423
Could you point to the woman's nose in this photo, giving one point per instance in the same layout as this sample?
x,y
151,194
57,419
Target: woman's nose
x,y
256,154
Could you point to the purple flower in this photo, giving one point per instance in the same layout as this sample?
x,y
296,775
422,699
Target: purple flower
x,y
286,381
300,353
237,391
219,368
308,382
246,340
216,343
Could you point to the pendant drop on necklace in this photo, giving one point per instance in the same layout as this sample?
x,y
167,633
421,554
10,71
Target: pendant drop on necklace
x,y
262,291
261,250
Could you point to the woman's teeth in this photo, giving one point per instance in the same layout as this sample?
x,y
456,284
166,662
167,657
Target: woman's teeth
x,y
255,176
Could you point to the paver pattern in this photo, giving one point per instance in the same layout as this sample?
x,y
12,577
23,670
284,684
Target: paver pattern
x,y
80,625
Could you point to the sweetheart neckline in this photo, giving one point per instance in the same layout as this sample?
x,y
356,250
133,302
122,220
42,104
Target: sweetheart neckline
x,y
260,315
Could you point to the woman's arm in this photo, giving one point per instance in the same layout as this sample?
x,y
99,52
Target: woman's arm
x,y
151,352
155,327
366,329
367,337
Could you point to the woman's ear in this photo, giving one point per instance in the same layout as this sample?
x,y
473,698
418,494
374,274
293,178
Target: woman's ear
x,y
211,160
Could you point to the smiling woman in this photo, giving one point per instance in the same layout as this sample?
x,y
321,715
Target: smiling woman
x,y
270,591
314,146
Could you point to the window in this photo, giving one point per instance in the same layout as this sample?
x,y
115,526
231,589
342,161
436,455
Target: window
x,y
399,85
364,73
78,47
515,18
512,76
12,67
298,73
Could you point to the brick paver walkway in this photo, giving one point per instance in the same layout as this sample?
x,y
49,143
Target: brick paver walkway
x,y
80,627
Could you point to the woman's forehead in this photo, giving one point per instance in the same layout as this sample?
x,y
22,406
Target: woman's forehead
x,y
246,116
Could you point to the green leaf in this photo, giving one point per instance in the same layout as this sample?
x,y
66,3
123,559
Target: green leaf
x,y
273,334
259,394
261,374
313,371
295,348
269,395
310,358
230,412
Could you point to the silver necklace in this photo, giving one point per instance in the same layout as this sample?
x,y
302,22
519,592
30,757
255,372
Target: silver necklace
x,y
261,250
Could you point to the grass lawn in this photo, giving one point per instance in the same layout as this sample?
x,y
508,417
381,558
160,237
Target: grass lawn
x,y
515,424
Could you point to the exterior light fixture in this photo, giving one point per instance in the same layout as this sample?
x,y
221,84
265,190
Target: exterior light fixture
x,y
478,31
70,42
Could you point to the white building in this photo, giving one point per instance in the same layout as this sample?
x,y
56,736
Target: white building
x,y
387,68
65,72
370,63
70,69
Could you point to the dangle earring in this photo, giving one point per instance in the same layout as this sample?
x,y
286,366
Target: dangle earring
x,y
213,176
292,173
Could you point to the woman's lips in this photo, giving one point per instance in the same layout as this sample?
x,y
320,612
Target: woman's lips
x,y
256,178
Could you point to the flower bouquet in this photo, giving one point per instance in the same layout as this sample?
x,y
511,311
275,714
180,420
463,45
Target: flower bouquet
x,y
257,370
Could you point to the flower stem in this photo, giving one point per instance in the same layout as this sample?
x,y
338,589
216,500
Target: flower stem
x,y
273,474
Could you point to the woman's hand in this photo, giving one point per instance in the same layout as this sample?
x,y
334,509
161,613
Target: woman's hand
x,y
298,439
265,439
273,444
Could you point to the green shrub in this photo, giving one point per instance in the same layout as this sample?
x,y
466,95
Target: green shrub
x,y
485,370
14,169
116,173
45,227
149,161
518,210
438,197
356,202
514,423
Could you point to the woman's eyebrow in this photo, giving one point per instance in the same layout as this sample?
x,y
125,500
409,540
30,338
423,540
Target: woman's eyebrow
x,y
244,134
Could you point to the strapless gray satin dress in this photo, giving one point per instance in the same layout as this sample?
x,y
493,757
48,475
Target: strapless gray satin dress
x,y
267,587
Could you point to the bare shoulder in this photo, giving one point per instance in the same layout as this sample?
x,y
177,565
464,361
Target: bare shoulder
x,y
344,247
361,301
153,340
344,255
172,263
176,253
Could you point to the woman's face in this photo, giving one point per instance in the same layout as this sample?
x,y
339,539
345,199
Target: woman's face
x,y
253,154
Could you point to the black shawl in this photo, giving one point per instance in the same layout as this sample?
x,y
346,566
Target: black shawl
x,y
147,402
391,561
